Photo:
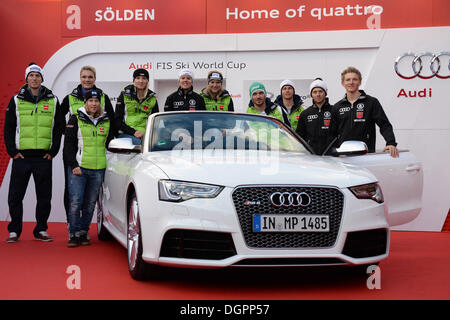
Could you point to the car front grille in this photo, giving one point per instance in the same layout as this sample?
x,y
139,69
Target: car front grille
x,y
250,200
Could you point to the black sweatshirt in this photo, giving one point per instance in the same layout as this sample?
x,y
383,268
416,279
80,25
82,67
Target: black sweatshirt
x,y
313,126
180,101
357,121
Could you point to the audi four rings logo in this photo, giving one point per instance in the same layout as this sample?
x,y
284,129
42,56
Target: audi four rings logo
x,y
288,199
436,63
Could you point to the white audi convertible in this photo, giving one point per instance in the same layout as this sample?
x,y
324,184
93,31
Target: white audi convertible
x,y
220,189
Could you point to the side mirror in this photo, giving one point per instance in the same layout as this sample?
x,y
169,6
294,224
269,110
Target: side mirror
x,y
123,145
350,148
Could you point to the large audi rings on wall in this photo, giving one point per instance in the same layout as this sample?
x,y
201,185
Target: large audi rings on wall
x,y
437,63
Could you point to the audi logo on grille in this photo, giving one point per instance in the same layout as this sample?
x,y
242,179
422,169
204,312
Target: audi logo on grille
x,y
290,199
437,65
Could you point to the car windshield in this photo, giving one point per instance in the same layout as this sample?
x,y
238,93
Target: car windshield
x,y
221,130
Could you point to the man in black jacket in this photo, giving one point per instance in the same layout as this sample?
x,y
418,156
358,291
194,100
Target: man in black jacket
x,y
314,122
354,117
33,128
185,99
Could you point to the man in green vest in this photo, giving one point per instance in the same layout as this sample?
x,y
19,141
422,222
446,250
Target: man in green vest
x,y
74,101
290,101
215,96
134,105
260,104
33,128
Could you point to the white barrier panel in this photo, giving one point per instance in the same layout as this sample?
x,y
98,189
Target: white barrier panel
x,y
420,122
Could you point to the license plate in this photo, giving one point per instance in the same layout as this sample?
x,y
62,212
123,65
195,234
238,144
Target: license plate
x,y
291,223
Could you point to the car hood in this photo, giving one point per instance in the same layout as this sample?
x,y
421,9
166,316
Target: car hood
x,y
242,167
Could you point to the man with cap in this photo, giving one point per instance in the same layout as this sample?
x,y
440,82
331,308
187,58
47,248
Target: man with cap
x,y
215,96
185,99
33,127
354,117
74,101
86,137
314,122
260,104
134,105
290,101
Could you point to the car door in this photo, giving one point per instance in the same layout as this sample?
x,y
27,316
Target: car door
x,y
401,180
115,187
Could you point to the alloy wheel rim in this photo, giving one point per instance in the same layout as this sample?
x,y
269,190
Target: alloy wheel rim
x,y
133,234
99,214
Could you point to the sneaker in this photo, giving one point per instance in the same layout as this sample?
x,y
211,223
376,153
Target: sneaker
x,y
84,239
12,237
43,236
74,241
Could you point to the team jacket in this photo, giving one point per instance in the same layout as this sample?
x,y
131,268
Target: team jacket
x,y
179,101
86,140
272,110
33,127
75,100
357,121
295,112
132,114
222,103
314,126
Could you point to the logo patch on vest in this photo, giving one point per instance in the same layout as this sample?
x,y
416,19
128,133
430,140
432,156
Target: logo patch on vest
x,y
221,108
145,108
46,108
102,130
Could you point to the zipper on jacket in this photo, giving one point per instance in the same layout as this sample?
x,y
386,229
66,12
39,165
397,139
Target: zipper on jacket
x,y
36,124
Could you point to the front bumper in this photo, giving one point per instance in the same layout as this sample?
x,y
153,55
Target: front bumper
x,y
219,216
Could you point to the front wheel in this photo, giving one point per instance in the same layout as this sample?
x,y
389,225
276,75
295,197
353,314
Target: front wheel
x,y
138,268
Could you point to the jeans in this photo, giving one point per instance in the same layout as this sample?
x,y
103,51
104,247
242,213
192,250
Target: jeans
x,y
134,140
83,195
22,169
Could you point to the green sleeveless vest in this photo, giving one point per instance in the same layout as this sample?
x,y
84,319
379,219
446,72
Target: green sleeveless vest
x,y
276,113
294,116
260,128
221,104
136,113
91,143
35,123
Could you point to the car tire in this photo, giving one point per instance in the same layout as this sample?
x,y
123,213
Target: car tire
x,y
138,268
102,233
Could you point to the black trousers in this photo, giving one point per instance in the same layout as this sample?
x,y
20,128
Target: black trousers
x,y
22,169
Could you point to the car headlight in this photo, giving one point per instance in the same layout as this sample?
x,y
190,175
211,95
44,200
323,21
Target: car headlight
x,y
177,191
368,191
